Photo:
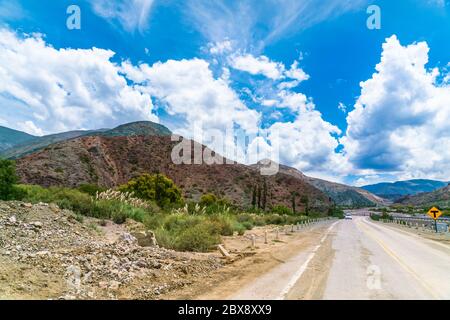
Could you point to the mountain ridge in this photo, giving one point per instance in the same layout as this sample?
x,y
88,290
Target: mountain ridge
x,y
10,137
399,189
128,129
112,161
341,194
439,197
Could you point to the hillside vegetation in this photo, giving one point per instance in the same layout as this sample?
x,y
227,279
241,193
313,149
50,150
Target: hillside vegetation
x,y
156,201
24,147
10,138
440,197
396,190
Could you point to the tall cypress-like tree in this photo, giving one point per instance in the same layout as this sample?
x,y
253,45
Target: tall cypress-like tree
x,y
305,201
294,194
254,197
259,197
264,195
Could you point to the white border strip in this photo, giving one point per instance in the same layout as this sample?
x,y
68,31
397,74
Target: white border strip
x,y
302,269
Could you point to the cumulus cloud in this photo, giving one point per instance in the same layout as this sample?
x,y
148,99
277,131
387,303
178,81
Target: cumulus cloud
x,y
258,65
132,15
53,90
400,121
273,70
308,143
188,89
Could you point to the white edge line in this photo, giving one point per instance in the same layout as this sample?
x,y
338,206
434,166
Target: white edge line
x,y
302,269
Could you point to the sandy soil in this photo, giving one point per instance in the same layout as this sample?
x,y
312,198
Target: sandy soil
x,y
248,266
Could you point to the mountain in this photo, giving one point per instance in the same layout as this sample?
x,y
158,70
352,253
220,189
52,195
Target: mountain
x,y
141,128
341,194
130,129
10,138
439,197
344,195
39,143
399,189
110,161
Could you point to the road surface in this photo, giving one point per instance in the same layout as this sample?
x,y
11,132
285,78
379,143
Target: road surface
x,y
359,259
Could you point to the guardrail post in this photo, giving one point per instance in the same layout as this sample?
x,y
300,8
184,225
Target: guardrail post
x,y
265,237
253,241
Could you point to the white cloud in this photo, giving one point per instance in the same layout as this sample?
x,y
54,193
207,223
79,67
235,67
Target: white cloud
x,y
132,15
296,73
63,89
30,128
258,65
255,23
400,121
308,143
342,107
220,47
189,91
11,10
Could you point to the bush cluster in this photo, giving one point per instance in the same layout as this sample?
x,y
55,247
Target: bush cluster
x,y
179,226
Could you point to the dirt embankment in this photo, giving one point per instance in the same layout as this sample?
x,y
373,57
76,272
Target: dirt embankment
x,y
248,265
46,253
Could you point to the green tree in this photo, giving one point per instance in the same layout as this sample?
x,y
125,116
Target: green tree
x,y
208,199
294,196
254,197
156,187
305,201
259,197
8,178
264,195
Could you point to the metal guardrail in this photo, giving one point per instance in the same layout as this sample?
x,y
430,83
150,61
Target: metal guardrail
x,y
276,232
427,224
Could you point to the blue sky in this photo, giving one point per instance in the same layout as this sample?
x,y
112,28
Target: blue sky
x,y
291,69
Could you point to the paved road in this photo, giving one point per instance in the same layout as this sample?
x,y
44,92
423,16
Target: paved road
x,y
360,259
374,261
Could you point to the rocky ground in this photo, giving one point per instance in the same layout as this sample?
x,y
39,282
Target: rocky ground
x,y
49,253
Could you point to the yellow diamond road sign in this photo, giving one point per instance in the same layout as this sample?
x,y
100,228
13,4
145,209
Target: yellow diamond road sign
x,y
435,213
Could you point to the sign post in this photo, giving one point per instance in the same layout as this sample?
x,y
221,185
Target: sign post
x,y
435,213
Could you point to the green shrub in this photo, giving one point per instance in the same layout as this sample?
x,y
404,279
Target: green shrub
x,y
91,189
239,228
247,225
8,179
156,187
336,212
274,219
200,238
208,199
282,210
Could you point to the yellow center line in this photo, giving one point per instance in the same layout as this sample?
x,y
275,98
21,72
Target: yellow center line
x,y
397,259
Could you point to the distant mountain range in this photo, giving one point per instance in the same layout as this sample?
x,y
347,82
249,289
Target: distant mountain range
x,y
397,190
21,147
341,194
439,197
9,138
110,157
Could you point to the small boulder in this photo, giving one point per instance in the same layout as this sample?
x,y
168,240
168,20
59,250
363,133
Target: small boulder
x,y
145,238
